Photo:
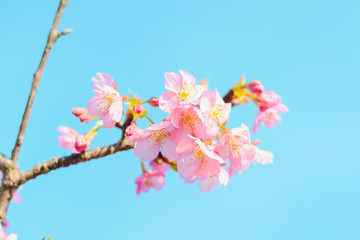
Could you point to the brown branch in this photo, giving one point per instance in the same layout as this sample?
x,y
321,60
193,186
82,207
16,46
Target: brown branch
x,y
60,162
53,36
5,163
229,97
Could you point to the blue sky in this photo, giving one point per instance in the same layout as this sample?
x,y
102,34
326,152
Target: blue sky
x,y
306,51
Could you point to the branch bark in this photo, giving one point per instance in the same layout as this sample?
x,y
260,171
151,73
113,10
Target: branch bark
x,y
11,176
53,36
60,162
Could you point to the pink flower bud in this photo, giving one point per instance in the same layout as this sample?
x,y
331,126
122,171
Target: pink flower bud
x,y
78,111
85,118
6,223
81,143
131,129
138,108
255,86
268,100
153,101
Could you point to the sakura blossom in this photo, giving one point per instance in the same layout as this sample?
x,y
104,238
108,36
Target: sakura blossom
x,y
256,87
215,111
147,180
149,141
235,145
159,166
180,90
188,120
153,101
67,138
4,236
269,116
107,104
213,181
192,139
197,159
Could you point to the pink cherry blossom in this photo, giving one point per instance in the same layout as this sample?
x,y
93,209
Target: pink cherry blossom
x,y
81,143
261,156
67,138
4,236
149,141
215,111
138,108
153,101
196,159
213,181
188,120
149,180
255,86
180,90
236,146
268,100
107,104
78,111
159,167
269,116
131,129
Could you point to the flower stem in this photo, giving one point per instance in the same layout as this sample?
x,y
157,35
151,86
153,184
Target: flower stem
x,y
149,119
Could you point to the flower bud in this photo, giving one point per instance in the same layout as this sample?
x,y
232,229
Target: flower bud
x,y
85,118
81,143
138,108
78,111
131,129
153,101
255,86
268,100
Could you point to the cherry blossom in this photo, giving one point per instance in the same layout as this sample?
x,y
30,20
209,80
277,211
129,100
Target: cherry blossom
x,y
149,180
197,159
269,116
67,138
149,141
235,145
159,166
256,87
4,236
215,110
180,90
107,104
188,120
213,181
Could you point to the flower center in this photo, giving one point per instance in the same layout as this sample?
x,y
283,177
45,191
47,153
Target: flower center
x,y
190,121
159,137
107,100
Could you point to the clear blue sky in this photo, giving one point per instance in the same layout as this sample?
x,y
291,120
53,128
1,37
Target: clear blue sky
x,y
306,51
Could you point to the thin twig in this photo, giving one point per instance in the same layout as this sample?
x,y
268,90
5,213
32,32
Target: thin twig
x,y
53,36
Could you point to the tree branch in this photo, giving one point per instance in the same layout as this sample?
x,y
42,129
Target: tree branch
x,y
53,36
60,162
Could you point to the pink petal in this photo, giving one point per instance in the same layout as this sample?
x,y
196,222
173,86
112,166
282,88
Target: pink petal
x,y
108,121
146,150
186,146
16,197
102,80
172,81
116,110
168,149
168,101
187,79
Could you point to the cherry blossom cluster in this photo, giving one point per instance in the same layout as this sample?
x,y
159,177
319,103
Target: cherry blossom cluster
x,y
193,138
